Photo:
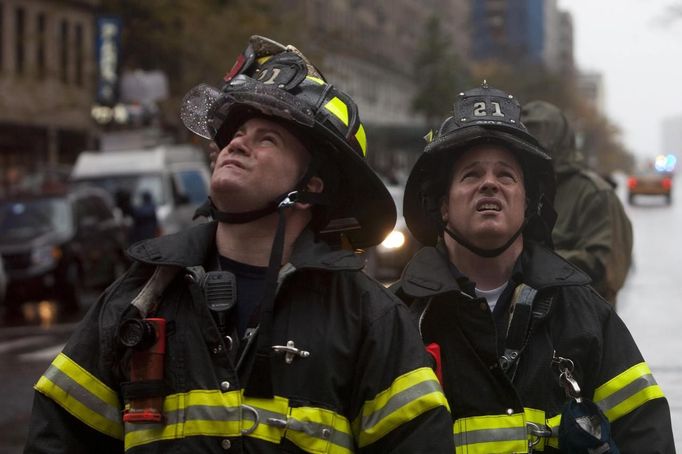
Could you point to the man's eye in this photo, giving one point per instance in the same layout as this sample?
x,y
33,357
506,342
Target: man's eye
x,y
270,139
508,177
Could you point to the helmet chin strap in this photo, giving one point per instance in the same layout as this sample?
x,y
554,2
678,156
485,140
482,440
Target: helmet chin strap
x,y
487,253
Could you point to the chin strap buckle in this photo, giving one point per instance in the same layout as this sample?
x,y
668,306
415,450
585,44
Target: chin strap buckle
x,y
289,200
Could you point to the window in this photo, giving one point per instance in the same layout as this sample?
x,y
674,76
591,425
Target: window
x,y
64,51
19,30
40,50
192,184
79,54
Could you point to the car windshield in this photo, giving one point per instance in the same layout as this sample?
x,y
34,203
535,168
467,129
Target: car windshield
x,y
27,218
193,186
135,185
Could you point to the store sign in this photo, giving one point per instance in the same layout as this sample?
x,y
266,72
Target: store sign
x,y
107,51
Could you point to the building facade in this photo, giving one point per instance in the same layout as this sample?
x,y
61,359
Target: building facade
x,y
529,31
46,81
369,48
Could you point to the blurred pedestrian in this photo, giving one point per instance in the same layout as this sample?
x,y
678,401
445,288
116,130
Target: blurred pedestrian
x,y
276,340
145,223
592,229
530,357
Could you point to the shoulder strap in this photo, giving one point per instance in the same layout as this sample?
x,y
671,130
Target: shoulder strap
x,y
518,329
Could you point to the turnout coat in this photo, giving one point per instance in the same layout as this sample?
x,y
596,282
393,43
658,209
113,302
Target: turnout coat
x,y
494,410
365,386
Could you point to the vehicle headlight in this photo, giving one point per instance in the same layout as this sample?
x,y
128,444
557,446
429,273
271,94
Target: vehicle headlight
x,y
45,255
394,240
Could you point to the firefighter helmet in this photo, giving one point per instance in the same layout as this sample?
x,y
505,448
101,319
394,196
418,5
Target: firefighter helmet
x,y
278,81
481,115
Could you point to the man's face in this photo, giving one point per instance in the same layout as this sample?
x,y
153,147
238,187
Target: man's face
x,y
486,199
261,162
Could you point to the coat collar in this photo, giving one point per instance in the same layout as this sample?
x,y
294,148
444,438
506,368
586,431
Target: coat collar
x,y
196,245
429,272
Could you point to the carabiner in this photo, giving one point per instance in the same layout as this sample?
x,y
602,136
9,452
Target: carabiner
x,y
256,420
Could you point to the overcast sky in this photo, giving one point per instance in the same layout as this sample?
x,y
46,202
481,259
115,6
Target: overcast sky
x,y
638,49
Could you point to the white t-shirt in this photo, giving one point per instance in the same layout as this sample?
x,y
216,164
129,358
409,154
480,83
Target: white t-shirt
x,y
491,296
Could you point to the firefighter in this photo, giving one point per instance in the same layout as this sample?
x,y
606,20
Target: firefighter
x,y
258,331
592,229
523,344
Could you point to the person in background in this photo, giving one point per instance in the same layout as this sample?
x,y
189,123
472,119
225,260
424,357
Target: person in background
x,y
145,223
531,358
592,229
275,340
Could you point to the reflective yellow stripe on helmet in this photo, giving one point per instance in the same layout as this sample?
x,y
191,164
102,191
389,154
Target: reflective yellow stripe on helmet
x,y
362,139
409,396
627,392
317,80
339,109
497,433
83,395
230,414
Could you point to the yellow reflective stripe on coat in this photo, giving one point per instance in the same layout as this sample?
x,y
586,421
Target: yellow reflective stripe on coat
x,y
409,396
230,414
497,433
83,395
553,423
627,392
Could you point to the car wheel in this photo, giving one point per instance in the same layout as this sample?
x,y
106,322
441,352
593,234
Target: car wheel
x,y
71,292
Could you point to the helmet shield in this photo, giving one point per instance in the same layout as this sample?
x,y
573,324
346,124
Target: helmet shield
x,y
205,109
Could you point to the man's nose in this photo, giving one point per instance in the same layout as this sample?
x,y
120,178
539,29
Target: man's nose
x,y
238,144
489,184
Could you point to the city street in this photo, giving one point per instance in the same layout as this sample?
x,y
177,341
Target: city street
x,y
648,304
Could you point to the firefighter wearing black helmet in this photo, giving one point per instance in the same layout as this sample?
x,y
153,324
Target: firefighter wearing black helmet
x,y
275,340
524,347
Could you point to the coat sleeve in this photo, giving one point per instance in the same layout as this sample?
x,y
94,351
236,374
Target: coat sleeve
x,y
593,239
77,406
398,401
629,395
53,430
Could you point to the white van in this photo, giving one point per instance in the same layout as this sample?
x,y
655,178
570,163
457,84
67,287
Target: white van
x,y
177,177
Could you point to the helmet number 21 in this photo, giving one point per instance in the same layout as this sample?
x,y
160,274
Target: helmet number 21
x,y
480,109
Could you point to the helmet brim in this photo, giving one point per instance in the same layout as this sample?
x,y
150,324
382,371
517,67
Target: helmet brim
x,y
364,211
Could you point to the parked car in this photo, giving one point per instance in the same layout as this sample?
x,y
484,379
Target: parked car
x,y
386,261
56,245
650,182
176,176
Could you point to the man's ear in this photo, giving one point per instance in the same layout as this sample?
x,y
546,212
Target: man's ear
x,y
315,184
444,209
